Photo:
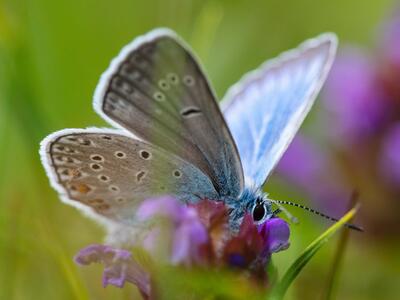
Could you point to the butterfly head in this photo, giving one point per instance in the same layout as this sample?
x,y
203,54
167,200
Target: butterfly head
x,y
251,202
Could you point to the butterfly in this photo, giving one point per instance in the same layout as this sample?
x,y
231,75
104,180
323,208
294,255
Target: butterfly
x,y
172,137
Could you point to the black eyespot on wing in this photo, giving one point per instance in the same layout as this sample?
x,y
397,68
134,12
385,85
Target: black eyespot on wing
x,y
177,173
190,111
144,154
140,175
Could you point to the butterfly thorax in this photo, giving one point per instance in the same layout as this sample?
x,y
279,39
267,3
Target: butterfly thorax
x,y
247,202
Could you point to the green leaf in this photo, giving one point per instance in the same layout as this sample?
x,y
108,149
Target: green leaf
x,y
279,290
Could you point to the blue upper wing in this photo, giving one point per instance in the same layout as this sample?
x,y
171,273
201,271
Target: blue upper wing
x,y
265,109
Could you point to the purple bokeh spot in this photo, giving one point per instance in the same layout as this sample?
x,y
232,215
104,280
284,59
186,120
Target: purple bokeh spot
x,y
310,169
391,39
302,162
354,98
390,156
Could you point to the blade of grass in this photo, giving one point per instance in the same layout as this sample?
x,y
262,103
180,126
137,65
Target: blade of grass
x,y
279,290
333,275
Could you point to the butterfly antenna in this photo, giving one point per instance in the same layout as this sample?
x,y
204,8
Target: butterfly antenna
x,y
283,202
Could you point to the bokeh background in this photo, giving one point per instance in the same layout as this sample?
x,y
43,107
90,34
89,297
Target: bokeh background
x,y
51,56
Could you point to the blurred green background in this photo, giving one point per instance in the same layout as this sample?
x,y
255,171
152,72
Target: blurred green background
x,y
51,56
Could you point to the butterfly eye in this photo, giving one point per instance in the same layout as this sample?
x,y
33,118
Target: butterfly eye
x,y
259,211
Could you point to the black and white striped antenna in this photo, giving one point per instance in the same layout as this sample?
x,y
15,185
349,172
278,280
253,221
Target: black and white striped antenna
x,y
279,203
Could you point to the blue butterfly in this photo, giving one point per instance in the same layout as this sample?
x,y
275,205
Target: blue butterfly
x,y
171,137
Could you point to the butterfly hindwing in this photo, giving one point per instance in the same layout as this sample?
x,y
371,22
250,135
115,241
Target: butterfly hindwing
x,y
266,108
156,89
111,173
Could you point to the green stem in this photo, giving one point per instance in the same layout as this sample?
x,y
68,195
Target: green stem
x,y
279,290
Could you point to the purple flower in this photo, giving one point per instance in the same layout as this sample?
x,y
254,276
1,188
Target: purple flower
x,y
200,236
303,163
354,98
251,249
275,233
165,206
199,233
190,236
390,155
257,242
119,267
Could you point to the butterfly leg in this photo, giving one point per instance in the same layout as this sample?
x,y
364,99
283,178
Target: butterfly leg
x,y
276,212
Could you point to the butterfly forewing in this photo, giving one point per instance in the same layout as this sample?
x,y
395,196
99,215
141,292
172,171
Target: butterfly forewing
x,y
112,173
266,108
156,90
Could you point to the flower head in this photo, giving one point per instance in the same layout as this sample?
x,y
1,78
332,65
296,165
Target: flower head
x,y
200,233
199,236
255,243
